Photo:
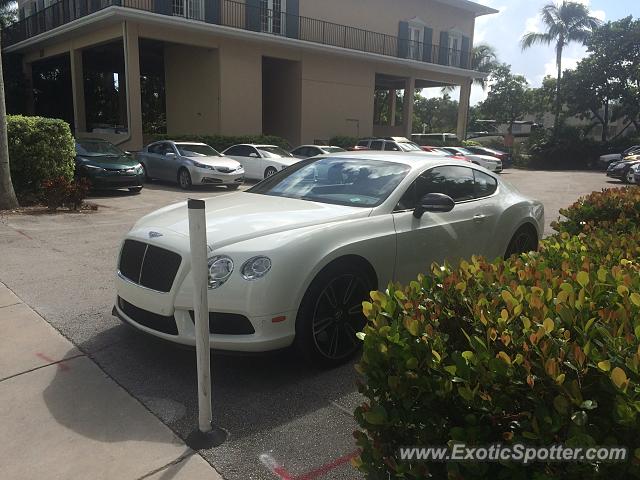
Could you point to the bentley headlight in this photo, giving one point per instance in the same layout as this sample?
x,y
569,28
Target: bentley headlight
x,y
220,269
256,267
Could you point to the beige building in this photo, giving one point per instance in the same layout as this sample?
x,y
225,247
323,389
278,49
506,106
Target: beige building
x,y
305,70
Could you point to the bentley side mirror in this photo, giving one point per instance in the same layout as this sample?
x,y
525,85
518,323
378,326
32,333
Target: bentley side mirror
x,y
434,202
253,155
170,154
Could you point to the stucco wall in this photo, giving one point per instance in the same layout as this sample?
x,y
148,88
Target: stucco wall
x,y
384,16
192,88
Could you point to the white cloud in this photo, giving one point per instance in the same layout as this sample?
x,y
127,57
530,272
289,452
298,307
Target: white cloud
x,y
532,25
599,14
568,63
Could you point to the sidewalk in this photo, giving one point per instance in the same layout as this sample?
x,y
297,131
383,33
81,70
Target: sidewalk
x,y
61,417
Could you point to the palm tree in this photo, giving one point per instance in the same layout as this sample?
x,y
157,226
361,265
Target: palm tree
x,y
7,194
565,23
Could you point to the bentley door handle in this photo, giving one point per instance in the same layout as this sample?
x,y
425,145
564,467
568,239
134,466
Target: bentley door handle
x,y
479,218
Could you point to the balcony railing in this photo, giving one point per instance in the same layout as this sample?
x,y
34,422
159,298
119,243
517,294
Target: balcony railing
x,y
238,15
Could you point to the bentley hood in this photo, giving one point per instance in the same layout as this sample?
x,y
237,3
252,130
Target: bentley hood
x,y
244,216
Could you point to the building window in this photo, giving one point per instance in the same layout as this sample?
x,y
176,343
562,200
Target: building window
x,y
455,47
273,15
193,9
415,42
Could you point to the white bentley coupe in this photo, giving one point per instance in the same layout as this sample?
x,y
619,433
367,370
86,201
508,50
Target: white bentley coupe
x,y
292,258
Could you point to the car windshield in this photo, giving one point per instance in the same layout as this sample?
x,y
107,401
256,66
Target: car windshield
x,y
352,182
196,150
409,147
97,149
280,152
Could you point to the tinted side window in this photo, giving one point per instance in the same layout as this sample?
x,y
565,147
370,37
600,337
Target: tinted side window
x,y
235,150
390,146
457,182
485,184
376,145
363,143
157,148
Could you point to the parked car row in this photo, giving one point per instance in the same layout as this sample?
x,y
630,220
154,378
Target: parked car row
x,y
194,163
605,161
626,170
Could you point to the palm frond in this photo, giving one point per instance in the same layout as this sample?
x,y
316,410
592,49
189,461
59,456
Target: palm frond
x,y
535,38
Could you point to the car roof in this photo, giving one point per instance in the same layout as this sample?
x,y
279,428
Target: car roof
x,y
317,146
189,143
255,145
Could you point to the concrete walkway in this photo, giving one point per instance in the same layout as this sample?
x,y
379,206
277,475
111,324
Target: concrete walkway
x,y
61,417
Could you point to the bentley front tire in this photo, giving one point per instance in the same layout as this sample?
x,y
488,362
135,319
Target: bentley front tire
x,y
330,315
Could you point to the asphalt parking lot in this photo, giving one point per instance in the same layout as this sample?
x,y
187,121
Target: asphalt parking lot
x,y
275,408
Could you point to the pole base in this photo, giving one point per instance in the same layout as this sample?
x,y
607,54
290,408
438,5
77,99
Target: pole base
x,y
198,440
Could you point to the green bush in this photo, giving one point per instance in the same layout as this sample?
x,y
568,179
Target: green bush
x,y
60,191
540,349
570,149
222,142
617,209
39,148
343,141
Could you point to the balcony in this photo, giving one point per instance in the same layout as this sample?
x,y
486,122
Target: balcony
x,y
238,15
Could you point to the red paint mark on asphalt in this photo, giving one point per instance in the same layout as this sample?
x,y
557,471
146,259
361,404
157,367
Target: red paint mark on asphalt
x,y
61,365
324,469
283,474
23,234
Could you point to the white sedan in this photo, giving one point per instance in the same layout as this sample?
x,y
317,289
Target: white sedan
x,y
292,258
487,161
260,161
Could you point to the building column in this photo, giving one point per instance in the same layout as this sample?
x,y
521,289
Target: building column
x,y
463,109
77,89
132,78
392,107
27,72
407,112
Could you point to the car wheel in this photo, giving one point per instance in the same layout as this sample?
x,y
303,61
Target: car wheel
x,y
629,176
135,189
524,240
331,314
233,187
270,171
184,179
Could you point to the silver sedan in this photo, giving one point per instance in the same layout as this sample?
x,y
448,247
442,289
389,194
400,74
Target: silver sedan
x,y
190,163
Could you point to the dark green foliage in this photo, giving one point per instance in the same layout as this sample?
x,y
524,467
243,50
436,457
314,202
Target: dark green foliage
x,y
541,349
39,148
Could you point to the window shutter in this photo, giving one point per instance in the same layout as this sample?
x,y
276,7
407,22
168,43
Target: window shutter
x,y
212,11
443,55
163,7
427,45
21,14
252,14
293,18
40,5
403,40
465,53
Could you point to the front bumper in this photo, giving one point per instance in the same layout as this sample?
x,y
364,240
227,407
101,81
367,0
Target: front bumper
x,y
106,182
201,176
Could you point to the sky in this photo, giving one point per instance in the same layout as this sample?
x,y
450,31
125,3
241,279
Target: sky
x,y
517,17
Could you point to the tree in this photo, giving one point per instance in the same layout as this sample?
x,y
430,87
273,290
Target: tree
x,y
439,114
483,59
565,23
7,194
509,98
8,13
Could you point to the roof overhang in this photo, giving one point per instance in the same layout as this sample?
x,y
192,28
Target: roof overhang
x,y
115,14
474,7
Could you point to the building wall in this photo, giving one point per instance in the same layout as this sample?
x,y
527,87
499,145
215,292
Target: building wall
x,y
192,90
384,16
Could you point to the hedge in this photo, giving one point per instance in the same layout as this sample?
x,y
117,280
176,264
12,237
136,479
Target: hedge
x,y
617,209
222,142
39,148
540,349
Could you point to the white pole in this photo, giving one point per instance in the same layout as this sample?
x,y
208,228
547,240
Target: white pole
x,y
199,271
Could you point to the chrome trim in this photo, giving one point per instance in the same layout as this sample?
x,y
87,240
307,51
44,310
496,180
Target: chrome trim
x,y
144,255
128,280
